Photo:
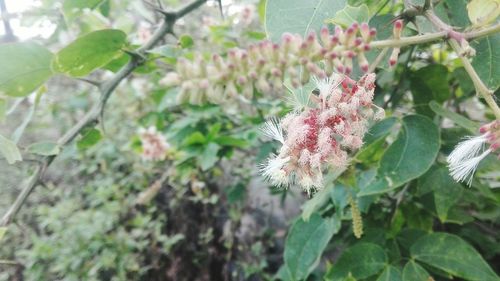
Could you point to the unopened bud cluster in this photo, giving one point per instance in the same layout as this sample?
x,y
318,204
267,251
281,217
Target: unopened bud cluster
x,y
264,66
323,135
154,144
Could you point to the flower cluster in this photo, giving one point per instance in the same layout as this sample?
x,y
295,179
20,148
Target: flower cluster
x,y
154,144
464,159
263,66
322,135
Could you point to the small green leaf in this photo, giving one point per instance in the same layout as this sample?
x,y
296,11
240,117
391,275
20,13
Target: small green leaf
x,y
487,60
44,148
25,66
390,273
209,156
89,138
361,260
89,52
458,119
414,272
186,41
408,157
9,150
350,15
483,12
3,230
298,16
305,244
453,255
73,8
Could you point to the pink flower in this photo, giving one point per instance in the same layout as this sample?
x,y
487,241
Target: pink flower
x,y
154,144
322,135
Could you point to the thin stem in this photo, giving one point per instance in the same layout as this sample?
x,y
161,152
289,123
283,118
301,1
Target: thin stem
x,y
431,37
377,60
481,88
92,116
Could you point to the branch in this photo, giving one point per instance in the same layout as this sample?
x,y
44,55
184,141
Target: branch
x,y
431,37
92,116
481,88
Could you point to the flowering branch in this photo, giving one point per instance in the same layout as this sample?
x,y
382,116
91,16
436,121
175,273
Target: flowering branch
x,y
106,89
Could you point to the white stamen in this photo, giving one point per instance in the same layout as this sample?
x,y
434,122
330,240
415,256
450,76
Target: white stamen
x,y
272,129
273,170
460,171
467,149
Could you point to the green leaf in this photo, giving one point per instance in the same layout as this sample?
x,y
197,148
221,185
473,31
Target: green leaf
x,y
487,60
298,16
446,191
374,140
25,66
361,260
483,12
349,15
427,84
414,272
305,243
209,156
3,230
73,8
89,138
9,150
453,255
186,41
408,157
390,273
458,119
89,52
44,148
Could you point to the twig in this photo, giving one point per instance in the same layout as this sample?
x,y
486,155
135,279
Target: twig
x,y
106,89
377,60
481,88
431,37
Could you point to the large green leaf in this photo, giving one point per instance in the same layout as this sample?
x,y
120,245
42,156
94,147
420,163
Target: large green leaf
x,y
453,255
89,52
25,66
408,157
350,15
305,243
446,191
298,16
9,150
414,272
361,261
390,273
487,60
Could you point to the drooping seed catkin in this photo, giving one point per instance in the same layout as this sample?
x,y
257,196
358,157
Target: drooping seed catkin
x,y
357,221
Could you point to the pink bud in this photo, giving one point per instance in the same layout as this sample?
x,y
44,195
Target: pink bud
x,y
393,59
365,31
398,26
324,34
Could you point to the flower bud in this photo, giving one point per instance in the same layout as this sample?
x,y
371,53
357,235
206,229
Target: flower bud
x,y
393,59
398,27
170,80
